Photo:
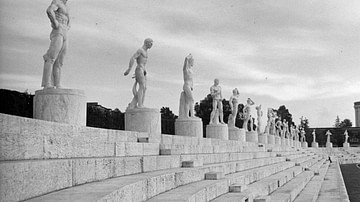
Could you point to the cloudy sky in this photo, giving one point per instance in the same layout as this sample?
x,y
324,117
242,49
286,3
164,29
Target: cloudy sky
x,y
301,54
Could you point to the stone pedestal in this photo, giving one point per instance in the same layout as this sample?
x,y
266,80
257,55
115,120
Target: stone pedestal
x,y
346,145
263,138
218,131
252,136
329,145
277,140
237,134
60,105
283,141
315,145
304,145
144,120
271,139
287,142
291,142
189,127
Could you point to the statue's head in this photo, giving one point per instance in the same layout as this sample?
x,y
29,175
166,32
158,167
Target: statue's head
x,y
250,102
236,91
148,43
216,81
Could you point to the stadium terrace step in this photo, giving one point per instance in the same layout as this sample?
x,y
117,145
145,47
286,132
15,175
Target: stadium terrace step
x,y
206,190
290,190
311,191
333,187
267,184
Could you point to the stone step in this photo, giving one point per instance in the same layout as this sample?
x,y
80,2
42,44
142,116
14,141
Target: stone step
x,y
266,185
290,190
311,191
208,190
333,187
183,176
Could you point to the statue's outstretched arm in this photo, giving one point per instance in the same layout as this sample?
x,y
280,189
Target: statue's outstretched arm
x,y
132,61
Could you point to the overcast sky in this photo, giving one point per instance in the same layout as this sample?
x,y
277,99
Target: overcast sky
x,y
301,54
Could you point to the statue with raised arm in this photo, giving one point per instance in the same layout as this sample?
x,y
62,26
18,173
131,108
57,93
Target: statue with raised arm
x,y
285,129
233,101
186,107
296,130
58,14
346,136
247,115
259,115
217,110
140,57
268,123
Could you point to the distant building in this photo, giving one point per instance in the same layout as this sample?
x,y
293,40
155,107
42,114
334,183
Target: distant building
x,y
357,113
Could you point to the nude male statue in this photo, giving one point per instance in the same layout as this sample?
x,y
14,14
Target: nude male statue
x,y
233,101
247,115
186,107
215,91
346,136
140,57
60,22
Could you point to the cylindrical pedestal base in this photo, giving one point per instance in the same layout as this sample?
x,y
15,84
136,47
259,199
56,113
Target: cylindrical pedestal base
x,y
252,136
315,145
346,144
218,131
271,139
263,139
304,145
144,120
237,134
329,145
277,140
189,127
283,141
60,105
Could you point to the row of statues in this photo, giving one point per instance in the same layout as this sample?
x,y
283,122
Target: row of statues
x,y
328,134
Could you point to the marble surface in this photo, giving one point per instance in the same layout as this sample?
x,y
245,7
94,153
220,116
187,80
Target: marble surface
x,y
218,131
237,134
252,136
263,139
144,120
189,127
271,139
60,105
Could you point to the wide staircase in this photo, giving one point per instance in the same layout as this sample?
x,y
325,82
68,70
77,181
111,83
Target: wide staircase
x,y
44,161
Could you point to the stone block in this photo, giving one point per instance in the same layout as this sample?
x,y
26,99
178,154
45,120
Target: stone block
x,y
167,162
21,180
119,166
252,136
304,145
167,139
149,163
144,120
170,152
217,131
315,145
346,145
189,127
214,175
120,149
271,139
237,134
187,164
60,105
143,139
134,149
151,149
133,165
263,138
237,188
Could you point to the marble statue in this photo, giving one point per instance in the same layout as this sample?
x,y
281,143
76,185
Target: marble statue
x,y
292,131
217,110
186,107
233,101
278,126
296,130
140,57
247,115
273,124
285,131
328,133
302,133
53,59
259,115
346,136
268,123
314,135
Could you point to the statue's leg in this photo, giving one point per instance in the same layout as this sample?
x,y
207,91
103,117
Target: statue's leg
x,y
58,64
213,112
49,60
189,101
221,114
141,91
